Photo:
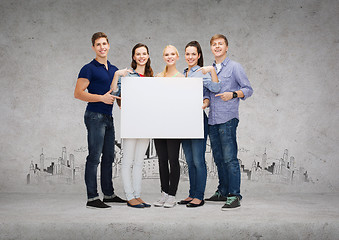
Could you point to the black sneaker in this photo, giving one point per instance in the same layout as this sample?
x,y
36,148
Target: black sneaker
x,y
97,204
232,202
114,199
217,197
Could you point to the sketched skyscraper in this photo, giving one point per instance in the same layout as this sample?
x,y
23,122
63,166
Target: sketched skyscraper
x,y
64,156
277,167
71,160
42,162
58,166
31,167
285,158
253,170
292,162
264,160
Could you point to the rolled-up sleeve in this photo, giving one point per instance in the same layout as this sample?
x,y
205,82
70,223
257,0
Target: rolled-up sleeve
x,y
244,83
209,84
206,93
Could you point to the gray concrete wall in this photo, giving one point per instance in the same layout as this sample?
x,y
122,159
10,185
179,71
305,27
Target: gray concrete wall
x,y
289,50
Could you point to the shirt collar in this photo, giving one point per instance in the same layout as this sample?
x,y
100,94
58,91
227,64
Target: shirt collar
x,y
193,69
97,64
134,73
224,63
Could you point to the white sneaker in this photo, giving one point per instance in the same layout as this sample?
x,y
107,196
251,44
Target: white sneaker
x,y
170,202
161,200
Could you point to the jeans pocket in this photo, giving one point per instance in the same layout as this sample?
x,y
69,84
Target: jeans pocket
x,y
93,115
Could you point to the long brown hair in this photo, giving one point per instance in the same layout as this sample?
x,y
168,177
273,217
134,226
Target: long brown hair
x,y
198,47
148,69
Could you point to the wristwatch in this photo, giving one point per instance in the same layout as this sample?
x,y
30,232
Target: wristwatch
x,y
235,94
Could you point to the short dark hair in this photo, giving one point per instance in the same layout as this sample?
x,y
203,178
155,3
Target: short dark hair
x,y
198,47
97,36
216,36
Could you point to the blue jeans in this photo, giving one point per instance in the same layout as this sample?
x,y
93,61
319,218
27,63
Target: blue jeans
x,y
225,150
194,150
100,137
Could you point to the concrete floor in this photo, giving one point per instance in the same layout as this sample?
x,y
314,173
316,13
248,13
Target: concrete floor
x,y
265,214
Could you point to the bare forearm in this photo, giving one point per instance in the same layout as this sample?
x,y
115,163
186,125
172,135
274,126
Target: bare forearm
x,y
114,84
214,75
88,97
117,75
81,93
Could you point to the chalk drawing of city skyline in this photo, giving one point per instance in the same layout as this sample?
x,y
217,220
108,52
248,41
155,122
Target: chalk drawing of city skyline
x,y
66,168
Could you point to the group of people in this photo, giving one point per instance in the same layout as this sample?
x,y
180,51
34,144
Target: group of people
x,y
224,84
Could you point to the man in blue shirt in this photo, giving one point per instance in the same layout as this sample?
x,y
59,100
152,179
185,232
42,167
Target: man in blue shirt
x,y
96,77
223,121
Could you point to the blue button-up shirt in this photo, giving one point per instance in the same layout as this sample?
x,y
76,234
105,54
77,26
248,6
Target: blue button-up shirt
x,y
232,78
209,85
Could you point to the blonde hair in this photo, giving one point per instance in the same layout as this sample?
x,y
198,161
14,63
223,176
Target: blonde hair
x,y
163,73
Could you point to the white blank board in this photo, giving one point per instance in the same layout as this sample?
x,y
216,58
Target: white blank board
x,y
161,107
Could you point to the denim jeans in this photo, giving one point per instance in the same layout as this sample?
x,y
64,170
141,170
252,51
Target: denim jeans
x,y
225,150
100,137
194,150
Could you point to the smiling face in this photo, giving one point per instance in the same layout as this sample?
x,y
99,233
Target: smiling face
x,y
101,47
141,56
191,56
219,48
170,55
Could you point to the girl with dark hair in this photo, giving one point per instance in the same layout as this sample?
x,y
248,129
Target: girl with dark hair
x,y
134,148
140,55
194,149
